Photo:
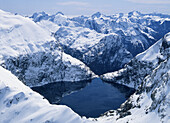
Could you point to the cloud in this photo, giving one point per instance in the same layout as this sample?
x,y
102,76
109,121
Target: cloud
x,y
150,1
72,3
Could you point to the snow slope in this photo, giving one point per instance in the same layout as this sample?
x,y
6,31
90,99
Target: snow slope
x,y
134,72
18,103
31,53
19,35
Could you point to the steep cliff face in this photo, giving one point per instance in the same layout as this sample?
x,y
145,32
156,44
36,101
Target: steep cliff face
x,y
100,52
142,65
33,55
108,55
47,67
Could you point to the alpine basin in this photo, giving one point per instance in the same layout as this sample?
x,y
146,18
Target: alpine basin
x,y
90,99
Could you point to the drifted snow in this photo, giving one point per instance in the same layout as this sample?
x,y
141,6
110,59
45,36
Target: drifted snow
x,y
151,53
48,25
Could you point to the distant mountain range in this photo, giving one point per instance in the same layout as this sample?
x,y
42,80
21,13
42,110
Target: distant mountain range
x,y
105,43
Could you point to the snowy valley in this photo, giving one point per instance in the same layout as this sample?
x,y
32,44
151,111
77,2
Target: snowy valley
x,y
128,49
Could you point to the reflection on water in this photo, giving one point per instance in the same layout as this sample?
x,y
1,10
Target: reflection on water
x,y
53,92
90,100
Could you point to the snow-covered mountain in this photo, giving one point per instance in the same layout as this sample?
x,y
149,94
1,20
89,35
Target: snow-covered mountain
x,y
36,58
100,52
33,55
149,72
150,103
91,39
143,64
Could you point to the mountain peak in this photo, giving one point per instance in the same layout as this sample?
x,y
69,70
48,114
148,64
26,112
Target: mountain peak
x,y
38,14
59,13
43,13
97,14
134,13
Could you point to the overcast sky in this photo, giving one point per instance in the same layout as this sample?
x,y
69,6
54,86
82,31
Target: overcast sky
x,y
85,7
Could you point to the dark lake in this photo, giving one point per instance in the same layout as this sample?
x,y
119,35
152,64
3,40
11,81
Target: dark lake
x,y
90,99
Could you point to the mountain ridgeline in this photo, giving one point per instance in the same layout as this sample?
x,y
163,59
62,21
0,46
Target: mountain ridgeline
x,y
105,43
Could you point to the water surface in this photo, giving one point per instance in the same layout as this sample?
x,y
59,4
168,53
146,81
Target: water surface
x,y
85,98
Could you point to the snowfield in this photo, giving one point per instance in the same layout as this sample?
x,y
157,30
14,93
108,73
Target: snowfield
x,y
19,35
